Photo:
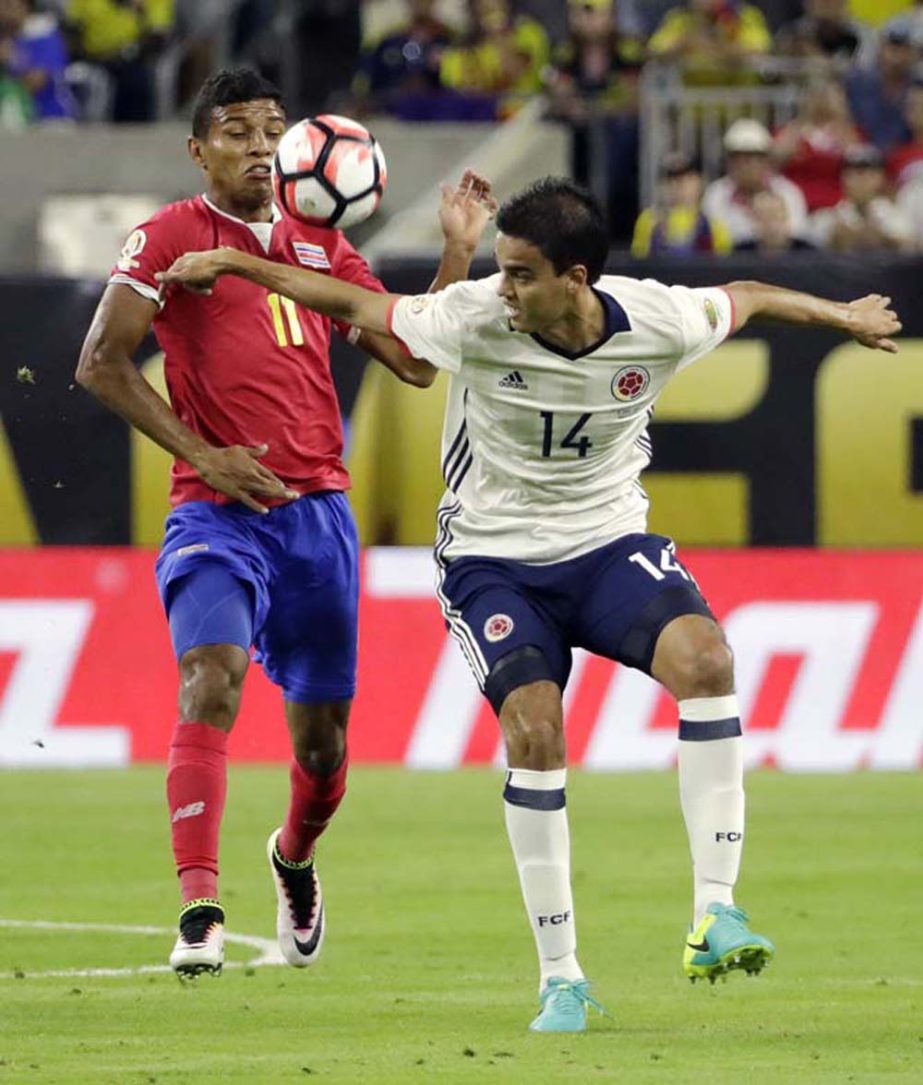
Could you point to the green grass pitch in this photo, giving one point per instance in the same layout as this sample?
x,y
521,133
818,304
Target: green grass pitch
x,y
428,973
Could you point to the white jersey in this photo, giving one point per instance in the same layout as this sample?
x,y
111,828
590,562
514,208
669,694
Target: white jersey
x,y
542,449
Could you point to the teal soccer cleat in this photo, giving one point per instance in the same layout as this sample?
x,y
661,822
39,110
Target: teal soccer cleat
x,y
722,942
564,1004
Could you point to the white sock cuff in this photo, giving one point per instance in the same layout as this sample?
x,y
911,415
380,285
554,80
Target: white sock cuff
x,y
533,780
706,709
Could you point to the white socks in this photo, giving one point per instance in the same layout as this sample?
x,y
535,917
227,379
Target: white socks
x,y
712,795
536,822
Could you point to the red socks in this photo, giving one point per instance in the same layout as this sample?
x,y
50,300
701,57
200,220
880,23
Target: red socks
x,y
196,789
313,803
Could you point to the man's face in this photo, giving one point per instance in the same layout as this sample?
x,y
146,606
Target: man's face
x,y
897,58
589,22
536,296
913,110
861,184
13,15
493,16
683,189
749,171
236,154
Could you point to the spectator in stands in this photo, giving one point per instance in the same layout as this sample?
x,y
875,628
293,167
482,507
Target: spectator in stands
x,y
714,40
906,160
323,54
877,94
677,225
910,202
251,20
594,80
825,31
747,147
400,73
772,227
503,59
810,148
35,55
124,37
865,218
16,106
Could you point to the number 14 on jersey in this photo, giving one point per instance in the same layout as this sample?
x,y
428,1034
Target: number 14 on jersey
x,y
570,439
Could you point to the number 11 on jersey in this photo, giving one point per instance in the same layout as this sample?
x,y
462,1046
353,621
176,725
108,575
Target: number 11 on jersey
x,y
279,305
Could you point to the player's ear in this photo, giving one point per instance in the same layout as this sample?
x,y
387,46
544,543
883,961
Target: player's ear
x,y
577,278
195,152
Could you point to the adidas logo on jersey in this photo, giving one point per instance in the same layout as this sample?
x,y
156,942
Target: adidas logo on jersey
x,y
514,380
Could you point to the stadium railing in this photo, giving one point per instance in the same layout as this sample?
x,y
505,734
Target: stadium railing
x,y
676,115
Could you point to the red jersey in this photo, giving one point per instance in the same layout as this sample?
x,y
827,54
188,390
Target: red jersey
x,y
245,366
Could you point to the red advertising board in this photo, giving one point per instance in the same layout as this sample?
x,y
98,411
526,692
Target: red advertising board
x,y
828,646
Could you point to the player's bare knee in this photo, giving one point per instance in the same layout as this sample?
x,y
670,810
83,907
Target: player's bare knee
x,y
211,679
533,728
706,669
318,733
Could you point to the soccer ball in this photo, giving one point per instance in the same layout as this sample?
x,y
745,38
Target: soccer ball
x,y
329,171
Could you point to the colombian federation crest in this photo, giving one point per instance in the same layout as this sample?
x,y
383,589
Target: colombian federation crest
x,y
630,382
497,627
711,313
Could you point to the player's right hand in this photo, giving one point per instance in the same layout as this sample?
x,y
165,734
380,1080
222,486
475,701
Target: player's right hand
x,y
872,322
196,271
236,472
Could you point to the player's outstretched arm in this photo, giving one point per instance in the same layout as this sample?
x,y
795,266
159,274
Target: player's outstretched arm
x,y
199,271
464,212
870,320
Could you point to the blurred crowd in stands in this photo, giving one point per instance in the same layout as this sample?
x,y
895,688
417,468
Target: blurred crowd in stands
x,y
843,171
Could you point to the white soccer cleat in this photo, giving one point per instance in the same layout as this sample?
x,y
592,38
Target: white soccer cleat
x,y
300,917
200,945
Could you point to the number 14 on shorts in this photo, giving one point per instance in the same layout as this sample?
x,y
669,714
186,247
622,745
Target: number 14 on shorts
x,y
668,564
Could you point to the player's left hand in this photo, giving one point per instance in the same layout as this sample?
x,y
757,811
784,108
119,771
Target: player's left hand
x,y
196,271
872,322
465,210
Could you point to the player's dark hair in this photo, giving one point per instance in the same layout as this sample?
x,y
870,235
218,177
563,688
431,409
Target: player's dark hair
x,y
562,220
226,87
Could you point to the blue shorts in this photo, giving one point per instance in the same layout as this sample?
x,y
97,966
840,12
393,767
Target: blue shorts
x,y
517,623
299,567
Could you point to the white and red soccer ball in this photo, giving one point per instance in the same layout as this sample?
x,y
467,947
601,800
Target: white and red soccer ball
x,y
329,171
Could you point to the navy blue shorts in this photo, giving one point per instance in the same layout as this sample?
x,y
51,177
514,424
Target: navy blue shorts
x,y
299,565
517,623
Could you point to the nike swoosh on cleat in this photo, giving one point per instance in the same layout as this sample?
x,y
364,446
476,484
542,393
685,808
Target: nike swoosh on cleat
x,y
702,947
308,947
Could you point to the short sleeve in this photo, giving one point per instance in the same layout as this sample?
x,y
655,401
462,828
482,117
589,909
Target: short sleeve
x,y
433,326
707,319
347,264
150,248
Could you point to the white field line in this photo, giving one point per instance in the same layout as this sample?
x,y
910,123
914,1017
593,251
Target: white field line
x,y
268,950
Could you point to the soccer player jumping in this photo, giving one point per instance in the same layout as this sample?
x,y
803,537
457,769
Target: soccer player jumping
x,y
542,543
260,548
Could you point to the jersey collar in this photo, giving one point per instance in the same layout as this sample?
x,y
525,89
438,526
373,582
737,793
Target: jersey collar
x,y
276,214
615,320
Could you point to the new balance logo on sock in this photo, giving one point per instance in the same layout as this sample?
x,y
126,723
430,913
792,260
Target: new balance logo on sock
x,y
191,810
514,380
